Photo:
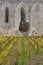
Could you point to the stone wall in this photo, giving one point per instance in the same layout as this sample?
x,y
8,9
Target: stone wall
x,y
35,11
37,17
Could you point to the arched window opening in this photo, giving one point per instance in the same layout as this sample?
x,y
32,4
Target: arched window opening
x,y
24,23
6,14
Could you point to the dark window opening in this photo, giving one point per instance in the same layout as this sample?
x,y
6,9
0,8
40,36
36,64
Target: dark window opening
x,y
23,23
6,14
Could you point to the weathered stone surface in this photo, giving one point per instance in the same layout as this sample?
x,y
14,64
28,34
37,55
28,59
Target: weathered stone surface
x,y
33,9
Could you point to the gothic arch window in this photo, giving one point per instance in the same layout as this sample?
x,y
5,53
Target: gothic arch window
x,y
24,21
6,14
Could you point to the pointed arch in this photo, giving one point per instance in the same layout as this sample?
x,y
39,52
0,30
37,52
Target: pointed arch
x,y
18,13
35,13
37,17
6,16
36,7
18,18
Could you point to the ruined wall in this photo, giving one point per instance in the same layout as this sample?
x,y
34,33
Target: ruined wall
x,y
37,17
34,10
